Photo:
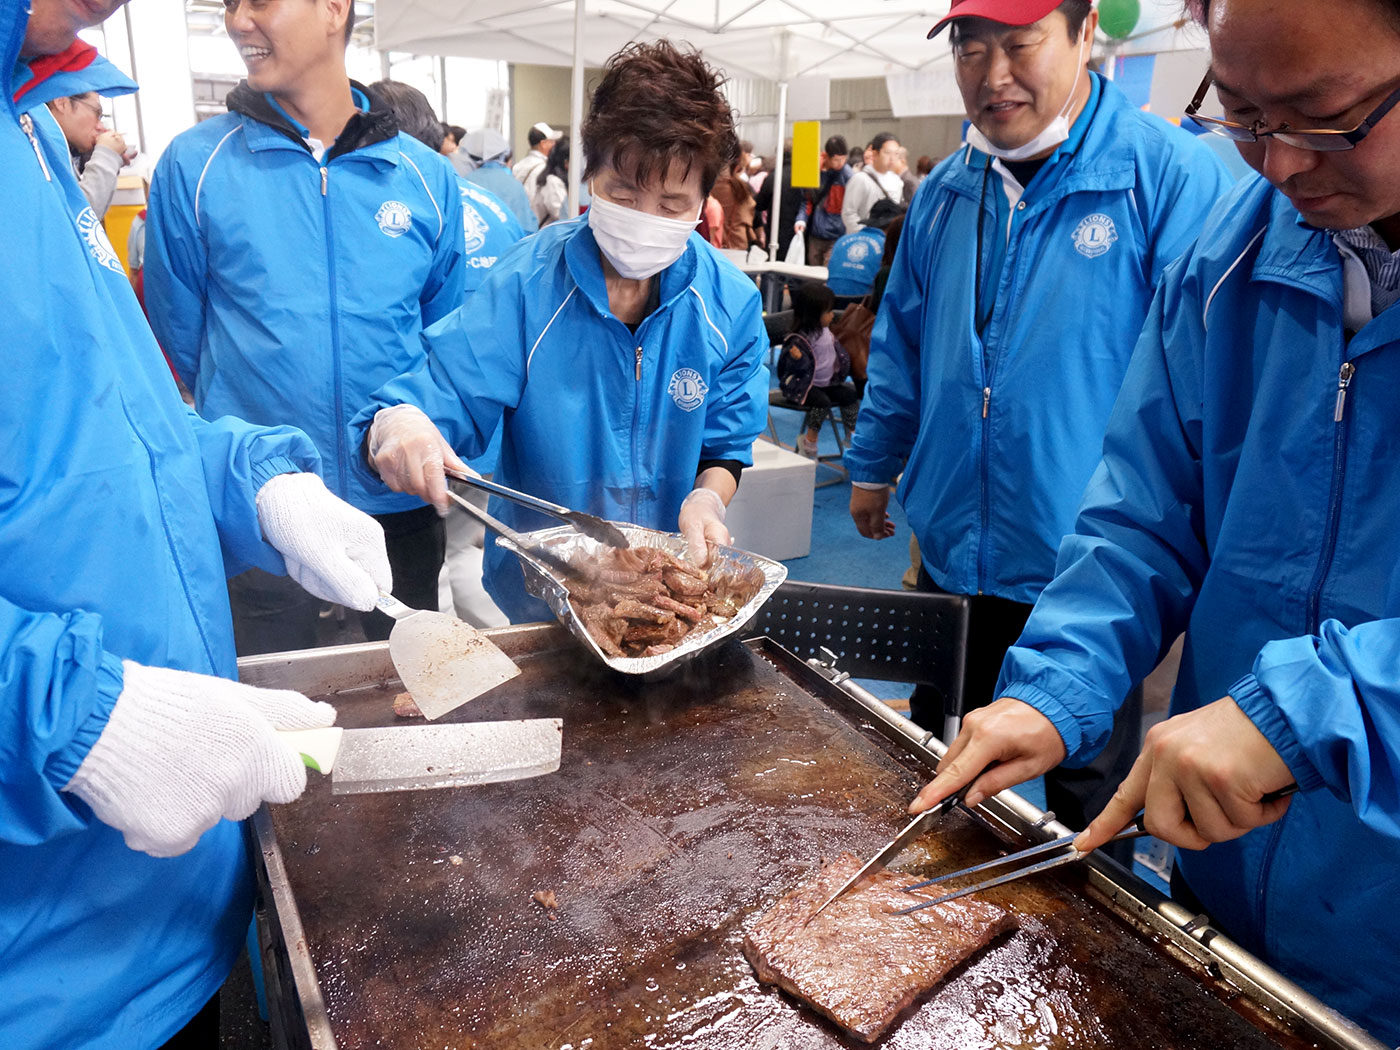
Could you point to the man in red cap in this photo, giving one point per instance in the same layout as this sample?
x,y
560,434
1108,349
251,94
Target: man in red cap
x,y
1027,265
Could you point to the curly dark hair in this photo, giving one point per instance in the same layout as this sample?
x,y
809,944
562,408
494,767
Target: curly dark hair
x,y
658,104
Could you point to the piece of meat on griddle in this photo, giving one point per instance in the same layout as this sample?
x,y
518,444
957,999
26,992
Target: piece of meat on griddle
x,y
643,601
858,963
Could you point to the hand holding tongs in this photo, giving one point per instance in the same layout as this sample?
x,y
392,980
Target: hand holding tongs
x,y
1064,843
605,532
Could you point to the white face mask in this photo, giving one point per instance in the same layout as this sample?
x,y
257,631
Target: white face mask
x,y
1056,132
637,243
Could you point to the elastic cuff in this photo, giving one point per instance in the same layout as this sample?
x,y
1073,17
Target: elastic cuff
x,y
880,471
269,468
871,486
63,766
1260,709
1048,705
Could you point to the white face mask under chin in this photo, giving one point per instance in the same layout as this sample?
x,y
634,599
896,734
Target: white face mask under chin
x,y
637,243
1056,132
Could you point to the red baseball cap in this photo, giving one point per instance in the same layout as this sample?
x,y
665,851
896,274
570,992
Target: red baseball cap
x,y
1007,12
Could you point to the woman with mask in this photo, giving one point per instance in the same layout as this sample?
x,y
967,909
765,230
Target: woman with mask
x,y
623,355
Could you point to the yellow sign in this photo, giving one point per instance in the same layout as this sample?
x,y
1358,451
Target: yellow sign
x,y
806,154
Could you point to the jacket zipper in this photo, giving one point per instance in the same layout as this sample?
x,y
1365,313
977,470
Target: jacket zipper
x,y
636,422
341,454
989,360
27,123
1334,507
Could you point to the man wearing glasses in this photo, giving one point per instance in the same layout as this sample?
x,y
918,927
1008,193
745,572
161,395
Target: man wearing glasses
x,y
1026,268
1248,494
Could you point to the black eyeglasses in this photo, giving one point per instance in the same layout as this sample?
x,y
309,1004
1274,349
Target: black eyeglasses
x,y
1324,140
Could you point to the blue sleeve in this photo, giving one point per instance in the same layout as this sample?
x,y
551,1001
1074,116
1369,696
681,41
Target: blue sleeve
x,y
58,686
1185,195
239,458
736,410
1330,706
1126,579
889,414
177,266
447,280
474,371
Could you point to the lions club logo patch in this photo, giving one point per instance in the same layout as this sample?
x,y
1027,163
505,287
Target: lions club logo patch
x,y
687,389
95,237
857,251
394,218
1095,235
474,227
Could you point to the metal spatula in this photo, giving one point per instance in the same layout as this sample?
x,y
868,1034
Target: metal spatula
x,y
443,662
592,526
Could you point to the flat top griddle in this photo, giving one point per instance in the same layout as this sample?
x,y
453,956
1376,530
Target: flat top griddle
x,y
683,809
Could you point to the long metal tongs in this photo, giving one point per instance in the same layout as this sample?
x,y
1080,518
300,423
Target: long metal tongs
x,y
592,526
1062,846
548,559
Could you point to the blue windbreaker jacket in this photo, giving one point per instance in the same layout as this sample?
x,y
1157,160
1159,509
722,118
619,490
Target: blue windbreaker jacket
x,y
595,418
489,230
1248,494
855,260
287,290
1002,433
119,512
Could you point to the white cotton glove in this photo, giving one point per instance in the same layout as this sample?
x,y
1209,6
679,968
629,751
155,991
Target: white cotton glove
x,y
408,452
701,522
333,550
183,750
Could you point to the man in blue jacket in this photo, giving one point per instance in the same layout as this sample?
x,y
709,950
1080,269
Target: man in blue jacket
x,y
1024,273
296,247
125,894
1248,494
856,258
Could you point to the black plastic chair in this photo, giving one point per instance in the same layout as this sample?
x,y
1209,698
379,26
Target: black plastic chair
x,y
890,636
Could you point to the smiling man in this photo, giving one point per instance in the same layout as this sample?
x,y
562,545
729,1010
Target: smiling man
x,y
1024,274
1247,495
295,249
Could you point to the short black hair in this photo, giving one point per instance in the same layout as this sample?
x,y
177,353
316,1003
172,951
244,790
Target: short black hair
x,y
411,109
809,301
349,22
457,131
878,142
836,147
535,136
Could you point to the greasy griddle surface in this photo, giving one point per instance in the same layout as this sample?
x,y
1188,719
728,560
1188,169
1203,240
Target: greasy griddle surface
x,y
683,809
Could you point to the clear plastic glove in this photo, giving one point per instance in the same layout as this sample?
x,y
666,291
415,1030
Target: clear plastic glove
x,y
409,453
701,522
183,751
333,550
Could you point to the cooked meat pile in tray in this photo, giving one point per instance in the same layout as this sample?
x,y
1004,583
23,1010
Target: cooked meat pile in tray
x,y
644,600
857,963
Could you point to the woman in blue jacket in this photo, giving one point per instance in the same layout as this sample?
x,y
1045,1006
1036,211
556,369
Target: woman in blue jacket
x,y
624,355
1248,495
125,894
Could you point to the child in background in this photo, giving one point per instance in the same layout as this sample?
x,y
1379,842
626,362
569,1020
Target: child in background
x,y
813,365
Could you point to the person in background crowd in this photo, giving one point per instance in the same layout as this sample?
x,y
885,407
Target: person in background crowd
x,y
741,166
922,168
1006,327
878,180
481,159
73,93
855,259
1247,494
295,249
624,355
451,138
129,750
792,204
552,185
826,225
541,138
711,224
906,176
813,365
736,199
882,275
759,170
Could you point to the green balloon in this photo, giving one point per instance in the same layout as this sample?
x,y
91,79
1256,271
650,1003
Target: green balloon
x,y
1118,18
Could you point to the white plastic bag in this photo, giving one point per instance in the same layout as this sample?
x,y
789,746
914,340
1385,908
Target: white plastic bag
x,y
797,250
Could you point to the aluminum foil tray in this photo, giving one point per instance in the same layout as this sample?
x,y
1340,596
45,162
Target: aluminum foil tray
x,y
567,542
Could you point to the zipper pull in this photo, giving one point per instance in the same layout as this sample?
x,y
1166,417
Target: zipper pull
x,y
323,182
639,364
27,123
1343,381
986,400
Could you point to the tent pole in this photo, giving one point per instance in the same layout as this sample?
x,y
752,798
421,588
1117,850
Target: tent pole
x,y
576,111
777,175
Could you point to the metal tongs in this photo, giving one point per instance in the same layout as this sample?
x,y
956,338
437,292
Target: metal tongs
x,y
1062,847
592,526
